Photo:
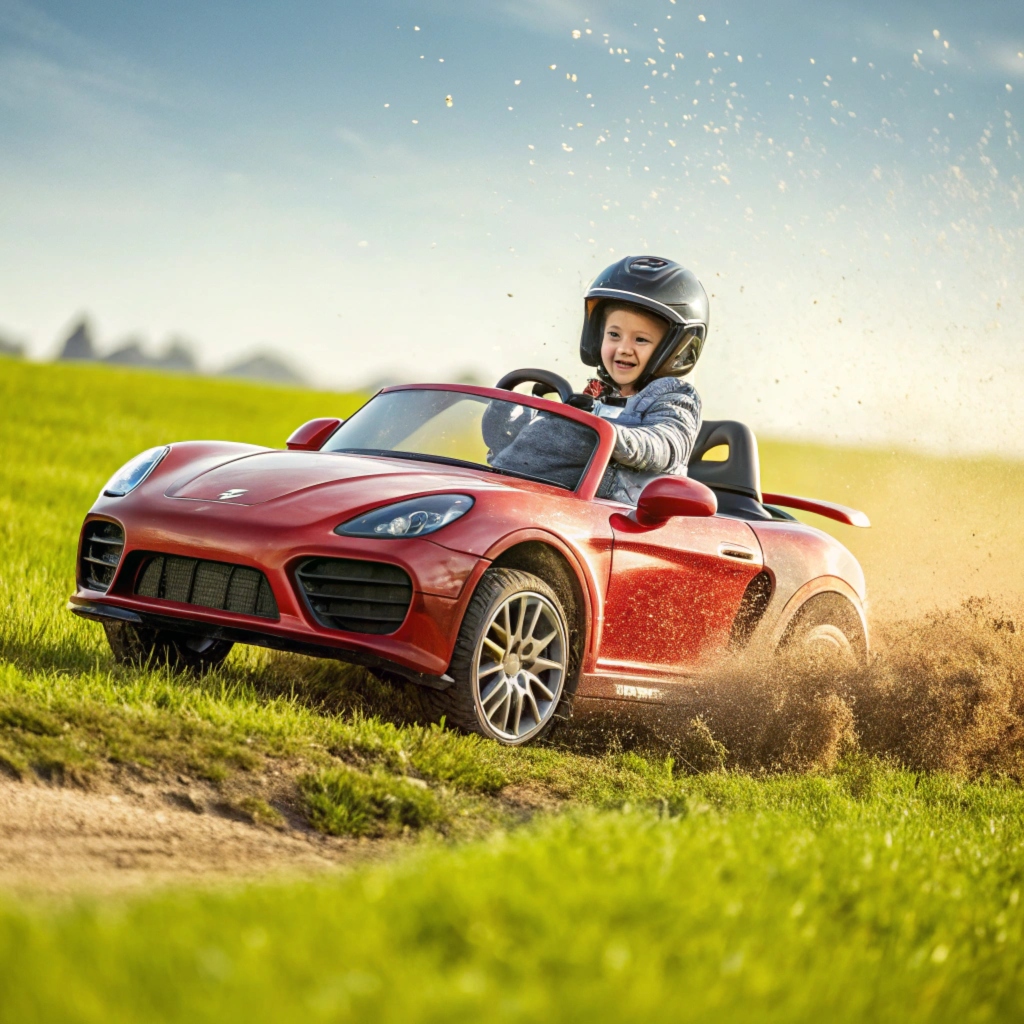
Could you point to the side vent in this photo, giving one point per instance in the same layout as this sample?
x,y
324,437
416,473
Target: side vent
x,y
361,597
752,608
102,544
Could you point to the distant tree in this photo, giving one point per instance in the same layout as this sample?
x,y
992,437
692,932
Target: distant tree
x,y
10,347
179,356
264,366
79,344
129,353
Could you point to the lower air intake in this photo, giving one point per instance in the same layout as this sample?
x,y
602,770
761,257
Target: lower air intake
x,y
219,585
361,597
102,544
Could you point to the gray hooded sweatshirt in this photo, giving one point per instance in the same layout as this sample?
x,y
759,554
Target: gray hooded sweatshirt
x,y
654,436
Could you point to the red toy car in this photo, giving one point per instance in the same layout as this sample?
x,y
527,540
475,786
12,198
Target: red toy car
x,y
430,537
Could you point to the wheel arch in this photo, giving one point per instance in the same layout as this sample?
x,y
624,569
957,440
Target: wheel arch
x,y
549,563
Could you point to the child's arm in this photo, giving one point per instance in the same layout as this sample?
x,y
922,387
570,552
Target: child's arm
x,y
664,440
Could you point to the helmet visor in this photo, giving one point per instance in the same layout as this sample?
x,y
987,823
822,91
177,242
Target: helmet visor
x,y
682,356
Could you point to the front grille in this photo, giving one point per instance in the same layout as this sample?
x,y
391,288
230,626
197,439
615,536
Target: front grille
x,y
361,597
228,588
102,544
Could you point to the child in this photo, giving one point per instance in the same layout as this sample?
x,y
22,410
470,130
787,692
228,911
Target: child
x,y
645,322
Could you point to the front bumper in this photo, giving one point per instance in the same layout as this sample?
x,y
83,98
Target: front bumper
x,y
100,611
420,649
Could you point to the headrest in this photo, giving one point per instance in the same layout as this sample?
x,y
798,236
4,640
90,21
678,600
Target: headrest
x,y
741,471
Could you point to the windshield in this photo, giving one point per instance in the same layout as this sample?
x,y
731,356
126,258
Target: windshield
x,y
462,429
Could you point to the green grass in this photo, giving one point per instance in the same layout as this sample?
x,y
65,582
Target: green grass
x,y
943,529
783,900
655,886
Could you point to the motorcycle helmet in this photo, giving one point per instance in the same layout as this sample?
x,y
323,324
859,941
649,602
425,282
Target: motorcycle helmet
x,y
659,287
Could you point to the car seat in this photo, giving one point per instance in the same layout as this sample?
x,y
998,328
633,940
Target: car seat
x,y
736,481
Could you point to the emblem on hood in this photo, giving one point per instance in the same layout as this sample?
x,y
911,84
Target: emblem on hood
x,y
235,492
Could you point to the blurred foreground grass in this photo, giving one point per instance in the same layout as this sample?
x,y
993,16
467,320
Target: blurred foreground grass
x,y
868,896
863,892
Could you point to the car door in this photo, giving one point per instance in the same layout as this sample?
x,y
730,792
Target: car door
x,y
674,592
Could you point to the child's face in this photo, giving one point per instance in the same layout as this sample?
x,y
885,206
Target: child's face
x,y
629,342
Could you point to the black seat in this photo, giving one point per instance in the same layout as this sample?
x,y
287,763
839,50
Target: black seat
x,y
736,481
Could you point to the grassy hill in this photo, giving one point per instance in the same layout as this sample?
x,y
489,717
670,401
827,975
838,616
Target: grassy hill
x,y
796,849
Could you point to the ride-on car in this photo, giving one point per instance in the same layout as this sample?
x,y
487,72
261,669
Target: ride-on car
x,y
452,536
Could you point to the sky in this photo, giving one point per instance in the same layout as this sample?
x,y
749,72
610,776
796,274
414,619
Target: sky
x,y
416,191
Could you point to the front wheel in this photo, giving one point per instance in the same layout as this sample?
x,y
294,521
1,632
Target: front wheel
x,y
512,660
141,647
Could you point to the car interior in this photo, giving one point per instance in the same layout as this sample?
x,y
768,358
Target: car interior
x,y
733,470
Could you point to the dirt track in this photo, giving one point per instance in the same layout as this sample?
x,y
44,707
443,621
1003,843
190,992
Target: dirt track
x,y
61,841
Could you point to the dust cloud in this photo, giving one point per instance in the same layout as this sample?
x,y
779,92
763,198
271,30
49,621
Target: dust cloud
x,y
941,691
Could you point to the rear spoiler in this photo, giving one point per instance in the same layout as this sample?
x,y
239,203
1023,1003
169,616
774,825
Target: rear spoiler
x,y
840,513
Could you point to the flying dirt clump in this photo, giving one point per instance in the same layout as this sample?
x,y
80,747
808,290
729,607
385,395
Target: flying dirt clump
x,y
947,692
941,692
786,717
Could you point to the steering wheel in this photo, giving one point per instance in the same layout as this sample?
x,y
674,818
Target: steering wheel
x,y
544,382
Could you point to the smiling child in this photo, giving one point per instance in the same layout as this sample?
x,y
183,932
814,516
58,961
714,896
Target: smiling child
x,y
645,323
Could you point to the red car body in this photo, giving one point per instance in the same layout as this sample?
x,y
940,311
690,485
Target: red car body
x,y
655,604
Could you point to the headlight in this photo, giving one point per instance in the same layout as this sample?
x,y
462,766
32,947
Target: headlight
x,y
409,518
131,474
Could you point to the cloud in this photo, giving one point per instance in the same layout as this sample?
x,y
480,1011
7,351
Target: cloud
x,y
549,17
31,41
1006,56
981,54
552,18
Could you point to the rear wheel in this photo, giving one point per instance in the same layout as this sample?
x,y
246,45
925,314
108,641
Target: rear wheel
x,y
141,647
512,661
826,631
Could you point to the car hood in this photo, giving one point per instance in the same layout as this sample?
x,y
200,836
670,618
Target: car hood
x,y
270,476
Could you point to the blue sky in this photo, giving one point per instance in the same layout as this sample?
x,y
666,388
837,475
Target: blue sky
x,y
846,179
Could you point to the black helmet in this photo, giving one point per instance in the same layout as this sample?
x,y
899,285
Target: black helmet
x,y
665,289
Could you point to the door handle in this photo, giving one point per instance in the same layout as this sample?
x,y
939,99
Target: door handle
x,y
737,553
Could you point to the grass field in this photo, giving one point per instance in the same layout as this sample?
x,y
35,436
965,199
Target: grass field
x,y
805,850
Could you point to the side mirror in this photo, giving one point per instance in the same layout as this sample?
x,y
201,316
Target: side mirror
x,y
669,496
311,436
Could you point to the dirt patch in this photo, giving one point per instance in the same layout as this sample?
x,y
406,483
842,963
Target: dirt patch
x,y
61,841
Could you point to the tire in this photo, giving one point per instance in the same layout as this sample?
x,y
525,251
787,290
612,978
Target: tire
x,y
827,632
180,652
509,692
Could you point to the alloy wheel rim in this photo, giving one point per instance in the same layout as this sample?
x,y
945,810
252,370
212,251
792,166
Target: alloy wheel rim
x,y
520,667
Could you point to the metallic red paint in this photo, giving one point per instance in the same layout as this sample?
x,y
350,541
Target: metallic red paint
x,y
659,600
312,436
674,592
671,496
829,509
